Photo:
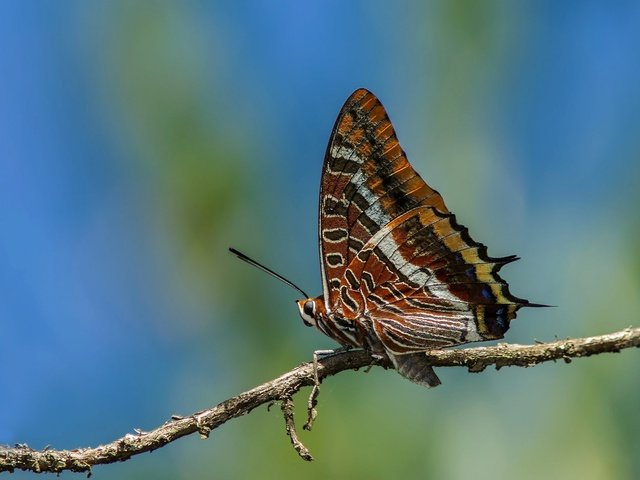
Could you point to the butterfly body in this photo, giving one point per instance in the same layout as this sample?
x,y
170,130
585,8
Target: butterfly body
x,y
400,275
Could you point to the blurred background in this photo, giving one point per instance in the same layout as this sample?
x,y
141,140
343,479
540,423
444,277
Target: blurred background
x,y
139,140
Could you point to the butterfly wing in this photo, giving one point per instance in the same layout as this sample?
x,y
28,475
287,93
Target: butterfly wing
x,y
391,249
366,183
427,284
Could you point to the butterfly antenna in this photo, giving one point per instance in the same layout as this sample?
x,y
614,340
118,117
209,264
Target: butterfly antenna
x,y
251,261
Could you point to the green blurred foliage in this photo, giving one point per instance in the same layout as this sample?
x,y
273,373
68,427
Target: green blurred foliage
x,y
193,169
205,187
554,422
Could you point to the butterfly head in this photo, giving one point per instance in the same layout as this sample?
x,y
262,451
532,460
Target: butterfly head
x,y
310,309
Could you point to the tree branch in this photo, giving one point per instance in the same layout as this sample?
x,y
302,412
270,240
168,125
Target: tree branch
x,y
281,389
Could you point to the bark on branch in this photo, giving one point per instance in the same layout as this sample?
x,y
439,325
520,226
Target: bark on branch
x,y
281,389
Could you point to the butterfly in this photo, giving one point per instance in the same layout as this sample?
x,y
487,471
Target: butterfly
x,y
400,275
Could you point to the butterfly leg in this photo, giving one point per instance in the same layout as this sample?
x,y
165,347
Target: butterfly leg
x,y
375,358
312,413
324,354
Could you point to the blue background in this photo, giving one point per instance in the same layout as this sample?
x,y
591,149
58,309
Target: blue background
x,y
138,140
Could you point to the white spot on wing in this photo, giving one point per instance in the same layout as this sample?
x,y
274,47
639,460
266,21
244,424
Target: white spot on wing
x,y
391,251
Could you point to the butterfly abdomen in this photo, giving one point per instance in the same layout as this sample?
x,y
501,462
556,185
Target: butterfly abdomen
x,y
415,367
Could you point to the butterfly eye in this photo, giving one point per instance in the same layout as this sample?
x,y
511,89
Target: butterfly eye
x,y
309,308
308,312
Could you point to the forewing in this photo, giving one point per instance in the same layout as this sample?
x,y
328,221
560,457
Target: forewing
x,y
366,183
